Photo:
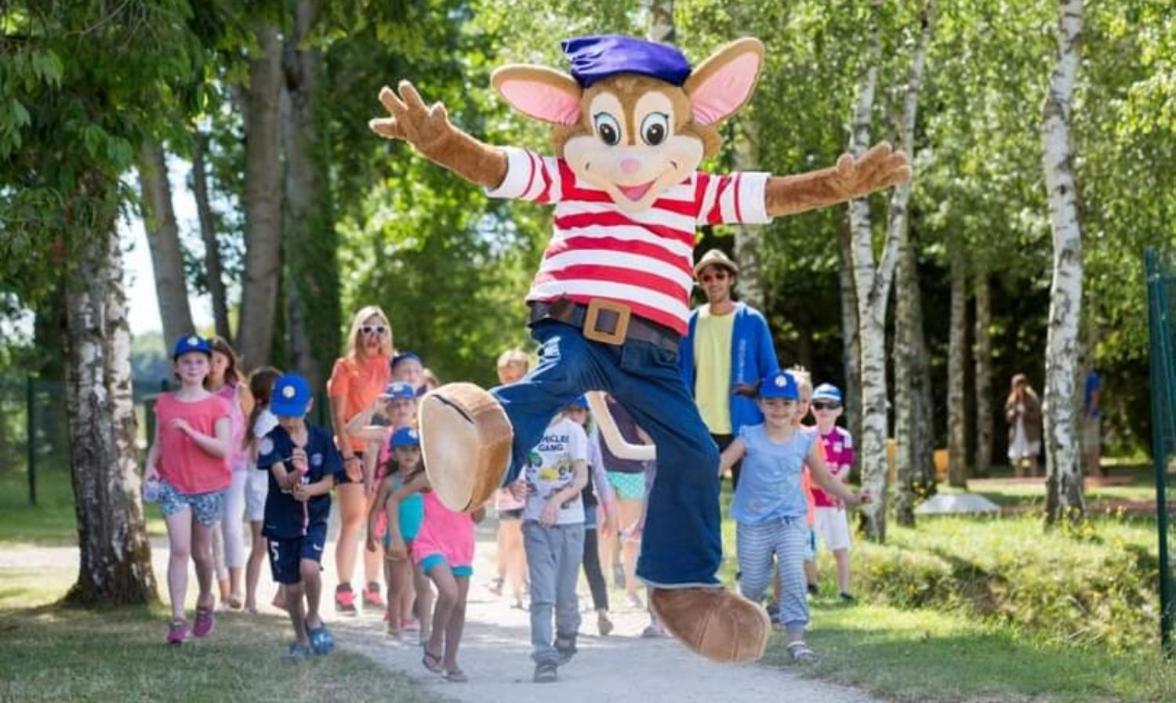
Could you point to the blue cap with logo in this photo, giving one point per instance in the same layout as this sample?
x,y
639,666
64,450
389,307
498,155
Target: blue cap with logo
x,y
291,396
581,402
827,391
399,389
405,437
780,384
191,343
596,57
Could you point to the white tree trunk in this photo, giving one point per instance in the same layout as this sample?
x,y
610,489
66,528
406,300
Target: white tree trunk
x,y
872,281
115,556
982,344
163,239
851,348
661,21
957,472
262,202
1064,495
212,257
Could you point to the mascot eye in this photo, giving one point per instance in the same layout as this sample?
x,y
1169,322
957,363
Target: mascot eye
x,y
654,128
608,128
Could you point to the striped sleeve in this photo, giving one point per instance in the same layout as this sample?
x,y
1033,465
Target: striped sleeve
x,y
529,177
733,198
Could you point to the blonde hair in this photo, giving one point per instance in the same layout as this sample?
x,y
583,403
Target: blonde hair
x,y
804,380
354,349
514,356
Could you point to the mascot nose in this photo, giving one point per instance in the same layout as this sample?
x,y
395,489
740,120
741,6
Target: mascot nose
x,y
630,165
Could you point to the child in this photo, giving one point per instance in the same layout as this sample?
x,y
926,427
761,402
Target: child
x,y
598,506
553,537
404,519
804,391
259,424
444,551
832,524
304,466
407,367
187,474
769,505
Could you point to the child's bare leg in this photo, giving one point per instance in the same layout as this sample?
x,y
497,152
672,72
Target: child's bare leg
x,y
841,556
401,602
312,586
424,601
294,593
456,624
446,602
253,565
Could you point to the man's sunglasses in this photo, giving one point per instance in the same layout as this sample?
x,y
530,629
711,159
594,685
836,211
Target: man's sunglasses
x,y
708,277
378,329
820,405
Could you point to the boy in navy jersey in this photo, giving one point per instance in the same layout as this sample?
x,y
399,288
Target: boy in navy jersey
x,y
303,467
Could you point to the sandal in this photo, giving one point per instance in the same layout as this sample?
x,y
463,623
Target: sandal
x,y
456,676
432,662
800,652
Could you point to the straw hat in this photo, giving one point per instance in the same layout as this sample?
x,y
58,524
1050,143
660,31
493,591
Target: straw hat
x,y
715,257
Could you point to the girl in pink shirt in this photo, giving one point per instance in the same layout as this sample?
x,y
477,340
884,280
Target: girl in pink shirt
x,y
187,473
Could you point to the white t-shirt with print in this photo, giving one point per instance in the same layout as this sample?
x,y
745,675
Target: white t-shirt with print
x,y
551,467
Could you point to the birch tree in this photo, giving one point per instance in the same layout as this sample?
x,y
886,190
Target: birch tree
x,y
213,271
957,474
1064,494
982,358
163,239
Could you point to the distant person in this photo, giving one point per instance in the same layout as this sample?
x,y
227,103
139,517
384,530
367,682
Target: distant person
x,y
1023,412
629,481
224,380
407,367
509,501
356,380
431,380
303,466
599,506
726,351
187,473
832,522
258,425
1091,423
769,506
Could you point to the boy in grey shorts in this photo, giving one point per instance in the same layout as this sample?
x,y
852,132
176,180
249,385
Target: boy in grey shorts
x,y
553,536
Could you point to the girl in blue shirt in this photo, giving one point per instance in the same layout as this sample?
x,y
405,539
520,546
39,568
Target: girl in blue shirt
x,y
769,506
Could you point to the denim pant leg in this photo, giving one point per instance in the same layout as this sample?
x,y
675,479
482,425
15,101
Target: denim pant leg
x,y
542,565
567,604
568,366
681,543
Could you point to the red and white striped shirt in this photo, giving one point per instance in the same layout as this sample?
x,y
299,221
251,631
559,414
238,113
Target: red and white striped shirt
x,y
644,259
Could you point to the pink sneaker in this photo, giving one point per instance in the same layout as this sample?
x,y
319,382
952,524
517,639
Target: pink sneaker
x,y
205,621
177,632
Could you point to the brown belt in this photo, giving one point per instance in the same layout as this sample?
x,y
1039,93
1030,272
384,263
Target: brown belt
x,y
606,321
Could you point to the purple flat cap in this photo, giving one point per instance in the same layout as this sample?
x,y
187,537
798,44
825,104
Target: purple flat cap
x,y
597,57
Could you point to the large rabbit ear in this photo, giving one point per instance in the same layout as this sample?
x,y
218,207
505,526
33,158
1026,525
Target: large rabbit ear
x,y
725,81
539,92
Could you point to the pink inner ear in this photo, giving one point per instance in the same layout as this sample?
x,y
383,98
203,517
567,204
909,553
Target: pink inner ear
x,y
541,101
726,89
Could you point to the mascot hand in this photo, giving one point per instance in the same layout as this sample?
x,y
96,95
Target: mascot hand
x,y
878,169
411,120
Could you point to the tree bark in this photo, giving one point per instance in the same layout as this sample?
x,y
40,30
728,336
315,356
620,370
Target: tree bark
x,y
212,257
982,344
906,390
957,472
1064,494
262,202
661,21
115,559
310,244
163,238
851,348
872,282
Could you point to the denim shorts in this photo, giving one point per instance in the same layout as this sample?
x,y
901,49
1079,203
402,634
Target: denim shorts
x,y
207,508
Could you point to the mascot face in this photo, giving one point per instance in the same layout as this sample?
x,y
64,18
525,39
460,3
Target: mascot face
x,y
633,119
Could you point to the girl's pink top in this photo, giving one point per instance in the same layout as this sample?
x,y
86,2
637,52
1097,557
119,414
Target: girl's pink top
x,y
444,532
237,420
187,467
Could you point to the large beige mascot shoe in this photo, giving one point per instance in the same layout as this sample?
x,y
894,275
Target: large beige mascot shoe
x,y
465,443
714,622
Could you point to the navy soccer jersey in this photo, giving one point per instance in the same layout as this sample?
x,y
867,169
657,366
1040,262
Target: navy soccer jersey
x,y
284,516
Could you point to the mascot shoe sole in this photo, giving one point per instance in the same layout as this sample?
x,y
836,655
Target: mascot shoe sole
x,y
465,444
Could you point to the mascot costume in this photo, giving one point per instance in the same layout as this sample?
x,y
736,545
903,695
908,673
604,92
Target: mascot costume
x,y
610,302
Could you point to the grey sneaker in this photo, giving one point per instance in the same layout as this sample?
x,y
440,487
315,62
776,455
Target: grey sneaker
x,y
546,672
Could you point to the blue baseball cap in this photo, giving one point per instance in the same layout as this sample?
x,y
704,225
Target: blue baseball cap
x,y
780,384
291,396
405,437
399,389
581,402
406,356
191,343
827,391
596,57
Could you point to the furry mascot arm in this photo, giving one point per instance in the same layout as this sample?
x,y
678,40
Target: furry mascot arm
x,y
429,131
878,169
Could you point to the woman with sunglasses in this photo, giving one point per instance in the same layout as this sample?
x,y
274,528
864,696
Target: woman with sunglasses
x,y
356,381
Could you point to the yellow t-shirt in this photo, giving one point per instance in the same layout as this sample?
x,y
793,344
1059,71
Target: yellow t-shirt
x,y
712,366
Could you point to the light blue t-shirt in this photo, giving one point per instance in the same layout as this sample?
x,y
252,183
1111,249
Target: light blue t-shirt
x,y
770,482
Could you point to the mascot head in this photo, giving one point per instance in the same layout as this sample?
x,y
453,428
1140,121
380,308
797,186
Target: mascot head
x,y
633,118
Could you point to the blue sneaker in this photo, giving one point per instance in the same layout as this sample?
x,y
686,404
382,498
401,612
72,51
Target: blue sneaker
x,y
321,640
297,652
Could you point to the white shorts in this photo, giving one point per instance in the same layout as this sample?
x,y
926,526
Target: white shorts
x,y
256,490
833,528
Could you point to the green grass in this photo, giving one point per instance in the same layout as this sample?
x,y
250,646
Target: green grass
x,y
55,655
923,655
51,522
